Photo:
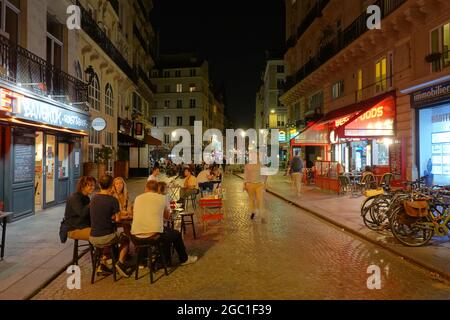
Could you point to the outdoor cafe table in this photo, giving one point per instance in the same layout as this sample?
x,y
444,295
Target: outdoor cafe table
x,y
3,221
354,179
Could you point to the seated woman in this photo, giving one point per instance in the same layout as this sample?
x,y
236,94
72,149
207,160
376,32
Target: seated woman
x,y
204,180
120,192
77,214
190,186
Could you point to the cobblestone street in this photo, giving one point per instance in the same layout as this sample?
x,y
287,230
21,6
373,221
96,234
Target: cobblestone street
x,y
293,256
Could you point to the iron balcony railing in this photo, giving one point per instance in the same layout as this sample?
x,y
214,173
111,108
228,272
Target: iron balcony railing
x,y
144,76
315,12
342,40
21,67
98,36
139,36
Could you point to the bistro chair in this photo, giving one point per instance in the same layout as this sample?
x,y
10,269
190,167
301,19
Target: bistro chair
x,y
345,184
368,181
193,199
386,180
212,209
154,251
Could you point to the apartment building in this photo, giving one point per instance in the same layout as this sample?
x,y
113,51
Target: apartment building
x,y
44,115
348,87
184,94
117,40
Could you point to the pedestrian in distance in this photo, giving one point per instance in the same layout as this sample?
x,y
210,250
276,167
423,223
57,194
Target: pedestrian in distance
x,y
297,173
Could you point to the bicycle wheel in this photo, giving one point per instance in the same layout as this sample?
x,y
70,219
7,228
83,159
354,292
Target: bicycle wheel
x,y
409,231
374,212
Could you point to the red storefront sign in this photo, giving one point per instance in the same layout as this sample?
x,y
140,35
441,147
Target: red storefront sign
x,y
377,121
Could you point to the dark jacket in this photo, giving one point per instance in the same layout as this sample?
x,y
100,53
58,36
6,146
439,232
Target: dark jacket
x,y
296,164
77,214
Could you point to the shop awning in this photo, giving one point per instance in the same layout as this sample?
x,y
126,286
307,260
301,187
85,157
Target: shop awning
x,y
152,141
124,140
316,134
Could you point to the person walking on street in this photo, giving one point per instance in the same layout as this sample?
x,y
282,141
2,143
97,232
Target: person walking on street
x,y
254,184
297,173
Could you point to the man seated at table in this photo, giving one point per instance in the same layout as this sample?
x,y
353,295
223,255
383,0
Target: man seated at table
x,y
149,211
104,210
154,175
190,186
204,180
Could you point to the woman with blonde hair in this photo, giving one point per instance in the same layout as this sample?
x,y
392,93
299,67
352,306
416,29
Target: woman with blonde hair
x,y
120,192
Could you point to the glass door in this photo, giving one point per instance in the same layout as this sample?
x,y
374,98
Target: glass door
x,y
49,170
63,171
38,169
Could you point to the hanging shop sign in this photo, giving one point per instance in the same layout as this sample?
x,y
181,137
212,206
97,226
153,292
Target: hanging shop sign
x,y
38,111
432,95
98,124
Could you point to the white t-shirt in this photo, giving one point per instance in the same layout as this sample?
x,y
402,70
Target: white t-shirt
x,y
203,176
148,213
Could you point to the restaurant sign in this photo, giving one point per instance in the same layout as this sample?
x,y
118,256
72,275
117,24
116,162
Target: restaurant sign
x,y
431,95
35,110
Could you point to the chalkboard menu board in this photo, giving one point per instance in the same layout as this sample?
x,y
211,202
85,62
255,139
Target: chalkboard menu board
x,y
395,159
23,159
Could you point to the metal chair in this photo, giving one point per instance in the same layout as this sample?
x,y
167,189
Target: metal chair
x,y
345,184
386,180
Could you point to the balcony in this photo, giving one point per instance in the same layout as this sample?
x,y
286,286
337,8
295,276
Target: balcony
x,y
141,39
308,20
144,76
115,5
343,39
20,66
101,39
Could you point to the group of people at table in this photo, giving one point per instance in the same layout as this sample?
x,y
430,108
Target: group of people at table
x,y
94,218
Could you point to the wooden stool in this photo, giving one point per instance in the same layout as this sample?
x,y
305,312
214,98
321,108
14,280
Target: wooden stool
x,y
96,255
186,221
154,248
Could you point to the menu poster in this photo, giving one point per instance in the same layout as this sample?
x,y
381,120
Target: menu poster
x,y
23,159
395,159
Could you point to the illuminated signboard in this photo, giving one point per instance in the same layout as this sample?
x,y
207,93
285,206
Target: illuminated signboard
x,y
377,121
282,136
35,110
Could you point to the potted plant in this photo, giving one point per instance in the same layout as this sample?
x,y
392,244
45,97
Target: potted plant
x,y
102,156
121,165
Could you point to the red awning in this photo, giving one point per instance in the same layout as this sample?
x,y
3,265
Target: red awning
x,y
316,134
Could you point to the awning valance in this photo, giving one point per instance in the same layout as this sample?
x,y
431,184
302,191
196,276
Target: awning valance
x,y
316,134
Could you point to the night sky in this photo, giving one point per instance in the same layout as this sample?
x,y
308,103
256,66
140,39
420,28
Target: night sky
x,y
233,35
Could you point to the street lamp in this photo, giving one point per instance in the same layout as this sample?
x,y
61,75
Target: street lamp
x,y
91,73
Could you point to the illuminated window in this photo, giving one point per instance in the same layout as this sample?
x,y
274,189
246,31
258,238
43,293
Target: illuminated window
x,y
360,84
381,75
192,87
179,87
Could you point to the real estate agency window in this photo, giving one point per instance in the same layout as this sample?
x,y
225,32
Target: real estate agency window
x,y
9,19
337,89
440,44
179,121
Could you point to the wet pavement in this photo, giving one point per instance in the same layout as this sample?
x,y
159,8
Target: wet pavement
x,y
294,256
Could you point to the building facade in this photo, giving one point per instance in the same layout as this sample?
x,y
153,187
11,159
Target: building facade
x,y
347,86
117,40
184,94
273,114
44,115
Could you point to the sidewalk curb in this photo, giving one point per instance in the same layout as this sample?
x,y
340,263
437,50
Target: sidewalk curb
x,y
344,228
